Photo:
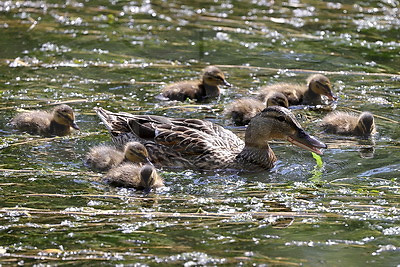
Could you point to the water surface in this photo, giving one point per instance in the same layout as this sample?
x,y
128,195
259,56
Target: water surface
x,y
119,54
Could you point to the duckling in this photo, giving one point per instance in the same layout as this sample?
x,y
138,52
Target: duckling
x,y
200,144
102,158
317,86
134,176
199,90
243,109
56,123
344,123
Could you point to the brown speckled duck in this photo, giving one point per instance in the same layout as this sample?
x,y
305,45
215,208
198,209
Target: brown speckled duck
x,y
200,144
102,158
56,123
134,176
199,90
243,109
317,85
344,123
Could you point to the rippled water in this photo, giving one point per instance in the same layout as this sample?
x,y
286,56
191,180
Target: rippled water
x,y
119,54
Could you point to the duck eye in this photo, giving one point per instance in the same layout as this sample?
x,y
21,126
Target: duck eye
x,y
281,118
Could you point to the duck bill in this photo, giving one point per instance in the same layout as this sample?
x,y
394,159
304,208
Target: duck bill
x,y
75,126
226,83
307,142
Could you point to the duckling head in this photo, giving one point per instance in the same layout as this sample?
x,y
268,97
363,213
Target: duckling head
x,y
321,85
148,176
277,99
64,115
279,123
136,152
213,76
366,124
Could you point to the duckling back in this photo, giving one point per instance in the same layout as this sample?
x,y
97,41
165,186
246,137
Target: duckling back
x,y
103,158
344,123
35,122
243,109
291,91
181,91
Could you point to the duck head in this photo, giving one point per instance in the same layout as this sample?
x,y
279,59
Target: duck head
x,y
321,85
279,123
213,76
64,115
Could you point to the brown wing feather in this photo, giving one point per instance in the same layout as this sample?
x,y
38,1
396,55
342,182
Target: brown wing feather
x,y
189,141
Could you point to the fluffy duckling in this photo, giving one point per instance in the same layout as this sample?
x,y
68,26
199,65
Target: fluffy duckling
x,y
243,109
317,86
134,176
56,123
199,90
102,158
344,123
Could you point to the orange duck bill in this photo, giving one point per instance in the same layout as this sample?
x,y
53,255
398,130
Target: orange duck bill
x,y
306,141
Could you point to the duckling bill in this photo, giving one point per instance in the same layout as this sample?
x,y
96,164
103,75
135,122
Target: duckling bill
x,y
200,144
199,90
56,123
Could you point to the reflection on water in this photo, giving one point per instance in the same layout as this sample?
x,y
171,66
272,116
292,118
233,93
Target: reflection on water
x,y
118,55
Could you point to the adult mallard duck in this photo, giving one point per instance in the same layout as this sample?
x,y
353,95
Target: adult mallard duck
x,y
102,158
134,176
199,90
317,85
339,122
56,123
199,144
243,109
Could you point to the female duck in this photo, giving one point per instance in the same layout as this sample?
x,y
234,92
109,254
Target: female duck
x,y
199,144
317,85
199,90
56,123
134,176
344,123
243,109
102,158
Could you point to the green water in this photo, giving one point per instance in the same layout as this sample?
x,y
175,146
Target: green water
x,y
118,55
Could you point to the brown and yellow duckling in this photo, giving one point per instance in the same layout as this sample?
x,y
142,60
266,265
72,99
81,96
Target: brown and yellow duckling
x,y
344,123
57,123
243,109
200,144
318,85
134,176
199,90
102,158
